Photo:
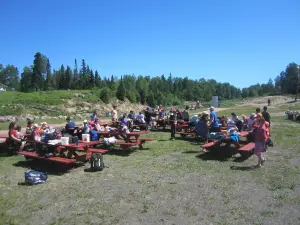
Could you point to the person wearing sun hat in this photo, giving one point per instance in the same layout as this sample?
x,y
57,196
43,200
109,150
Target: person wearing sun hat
x,y
85,128
214,123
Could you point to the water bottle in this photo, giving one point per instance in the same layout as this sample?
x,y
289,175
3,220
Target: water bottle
x,y
76,140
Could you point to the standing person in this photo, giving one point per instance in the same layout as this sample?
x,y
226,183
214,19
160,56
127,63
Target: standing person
x,y
173,123
257,111
148,117
214,124
269,102
260,141
114,113
266,115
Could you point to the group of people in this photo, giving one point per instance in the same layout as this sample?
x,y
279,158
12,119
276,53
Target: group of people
x,y
34,131
258,125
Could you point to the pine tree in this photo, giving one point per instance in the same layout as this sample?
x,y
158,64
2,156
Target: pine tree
x,y
25,79
97,79
48,82
39,68
91,79
68,77
62,78
121,91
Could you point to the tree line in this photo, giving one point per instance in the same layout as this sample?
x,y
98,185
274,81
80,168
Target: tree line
x,y
162,89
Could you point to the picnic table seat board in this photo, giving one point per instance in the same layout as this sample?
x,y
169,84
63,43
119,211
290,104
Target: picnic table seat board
x,y
3,136
248,147
209,144
55,158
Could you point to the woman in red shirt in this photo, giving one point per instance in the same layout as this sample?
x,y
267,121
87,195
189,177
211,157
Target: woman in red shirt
x,y
13,136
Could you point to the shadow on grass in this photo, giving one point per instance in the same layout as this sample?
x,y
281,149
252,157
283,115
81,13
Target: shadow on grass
x,y
49,167
243,168
191,151
221,154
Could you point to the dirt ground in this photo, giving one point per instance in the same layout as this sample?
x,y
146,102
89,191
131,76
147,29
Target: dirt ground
x,y
169,182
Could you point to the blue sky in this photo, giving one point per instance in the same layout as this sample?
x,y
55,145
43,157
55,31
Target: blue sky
x,y
237,41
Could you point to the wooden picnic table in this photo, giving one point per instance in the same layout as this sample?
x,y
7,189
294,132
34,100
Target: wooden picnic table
x,y
70,150
130,139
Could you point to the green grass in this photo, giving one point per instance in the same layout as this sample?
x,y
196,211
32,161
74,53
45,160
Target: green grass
x,y
172,170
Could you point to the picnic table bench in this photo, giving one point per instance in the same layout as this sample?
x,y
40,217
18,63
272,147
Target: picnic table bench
x,y
70,149
247,149
130,140
215,143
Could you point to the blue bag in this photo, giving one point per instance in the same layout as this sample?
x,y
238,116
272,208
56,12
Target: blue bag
x,y
35,177
94,135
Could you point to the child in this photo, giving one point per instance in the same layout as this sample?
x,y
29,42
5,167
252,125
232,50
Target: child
x,y
173,123
260,141
19,133
114,113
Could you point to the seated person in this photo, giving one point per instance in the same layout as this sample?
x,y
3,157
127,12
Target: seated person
x,y
237,121
19,133
194,120
70,126
29,127
231,126
97,126
13,138
43,129
161,114
85,128
245,122
131,115
202,128
141,118
185,114
250,121
223,121
94,116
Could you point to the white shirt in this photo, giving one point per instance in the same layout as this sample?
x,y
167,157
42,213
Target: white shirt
x,y
141,118
114,114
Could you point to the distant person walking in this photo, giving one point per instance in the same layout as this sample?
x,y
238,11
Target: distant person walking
x,y
269,102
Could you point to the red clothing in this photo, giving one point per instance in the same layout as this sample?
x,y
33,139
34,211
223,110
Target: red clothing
x,y
261,134
13,133
255,124
267,125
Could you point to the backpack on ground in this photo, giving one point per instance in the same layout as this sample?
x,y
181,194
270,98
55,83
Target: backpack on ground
x,y
35,177
97,163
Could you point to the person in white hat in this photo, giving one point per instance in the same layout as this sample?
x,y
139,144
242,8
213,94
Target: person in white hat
x,y
85,128
214,123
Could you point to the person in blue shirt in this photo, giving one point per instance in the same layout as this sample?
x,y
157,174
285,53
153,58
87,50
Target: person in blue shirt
x,y
94,116
214,123
70,126
202,127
